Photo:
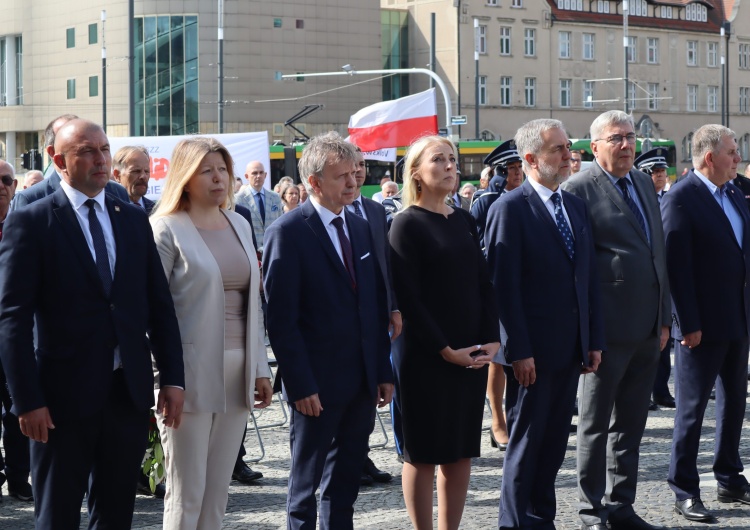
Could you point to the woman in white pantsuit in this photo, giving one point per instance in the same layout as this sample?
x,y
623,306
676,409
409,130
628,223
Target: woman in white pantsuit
x,y
213,275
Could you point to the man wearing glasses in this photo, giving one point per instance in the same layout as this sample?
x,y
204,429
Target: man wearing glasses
x,y
613,402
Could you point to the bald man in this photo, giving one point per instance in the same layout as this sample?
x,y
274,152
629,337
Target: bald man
x,y
83,396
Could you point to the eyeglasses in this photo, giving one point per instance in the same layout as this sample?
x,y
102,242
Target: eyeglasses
x,y
7,181
616,139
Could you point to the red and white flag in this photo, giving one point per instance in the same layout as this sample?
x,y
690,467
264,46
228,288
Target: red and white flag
x,y
394,123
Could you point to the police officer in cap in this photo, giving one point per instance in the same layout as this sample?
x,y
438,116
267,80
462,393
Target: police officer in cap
x,y
508,176
654,163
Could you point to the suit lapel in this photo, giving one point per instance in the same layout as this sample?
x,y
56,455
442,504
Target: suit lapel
x,y
316,225
704,195
541,212
117,231
66,216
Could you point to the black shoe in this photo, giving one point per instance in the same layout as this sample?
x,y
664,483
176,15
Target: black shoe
x,y
634,522
21,491
497,445
243,473
739,495
665,401
597,526
652,406
161,490
693,510
376,474
365,479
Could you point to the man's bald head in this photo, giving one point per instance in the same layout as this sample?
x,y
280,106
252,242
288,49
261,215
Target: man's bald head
x,y
82,154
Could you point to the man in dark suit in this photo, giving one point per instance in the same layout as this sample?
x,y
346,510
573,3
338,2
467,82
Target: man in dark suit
x,y
707,229
52,183
374,213
743,183
613,402
84,266
328,323
541,254
131,167
654,164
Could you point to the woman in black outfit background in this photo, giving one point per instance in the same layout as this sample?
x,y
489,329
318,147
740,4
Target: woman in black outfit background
x,y
450,333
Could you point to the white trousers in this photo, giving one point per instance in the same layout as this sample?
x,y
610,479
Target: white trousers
x,y
200,455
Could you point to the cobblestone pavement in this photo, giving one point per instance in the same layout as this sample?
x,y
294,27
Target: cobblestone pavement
x,y
261,506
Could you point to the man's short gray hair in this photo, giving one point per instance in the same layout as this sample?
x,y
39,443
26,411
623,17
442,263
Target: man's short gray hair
x,y
707,139
609,119
328,148
528,137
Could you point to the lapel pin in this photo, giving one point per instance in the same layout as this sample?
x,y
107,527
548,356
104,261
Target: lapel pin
x,y
117,208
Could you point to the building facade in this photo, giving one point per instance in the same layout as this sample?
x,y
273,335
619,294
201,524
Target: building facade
x,y
51,64
565,59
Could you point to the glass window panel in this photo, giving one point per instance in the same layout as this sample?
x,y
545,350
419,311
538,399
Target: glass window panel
x,y
178,111
93,86
176,23
93,33
150,58
162,25
19,70
70,37
165,119
149,28
71,88
151,110
3,73
191,107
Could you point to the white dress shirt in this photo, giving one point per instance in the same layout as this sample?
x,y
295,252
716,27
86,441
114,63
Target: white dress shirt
x,y
546,195
327,216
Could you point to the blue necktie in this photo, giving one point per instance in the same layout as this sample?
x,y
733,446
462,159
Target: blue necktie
x,y
357,209
562,225
261,206
100,248
346,249
623,183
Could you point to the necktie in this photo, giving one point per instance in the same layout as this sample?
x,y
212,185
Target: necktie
x,y
357,209
562,225
346,249
261,206
100,248
623,183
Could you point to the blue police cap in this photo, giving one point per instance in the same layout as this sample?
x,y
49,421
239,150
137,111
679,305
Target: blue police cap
x,y
653,159
503,154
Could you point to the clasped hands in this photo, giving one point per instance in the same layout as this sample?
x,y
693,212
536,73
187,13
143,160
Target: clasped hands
x,y
462,356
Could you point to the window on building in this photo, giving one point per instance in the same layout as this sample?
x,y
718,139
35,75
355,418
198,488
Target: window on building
x,y
492,2
692,53
571,5
639,8
712,100
529,42
588,47
602,6
652,50
506,91
71,88
19,70
696,12
588,94
300,23
276,22
564,44
653,93
93,86
516,3
505,48
631,96
482,39
530,91
692,98
743,145
687,148
632,49
482,89
166,75
744,100
712,54
744,56
666,12
70,37
93,33
3,73
565,92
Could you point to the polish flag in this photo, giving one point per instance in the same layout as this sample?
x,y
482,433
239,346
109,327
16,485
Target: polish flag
x,y
394,123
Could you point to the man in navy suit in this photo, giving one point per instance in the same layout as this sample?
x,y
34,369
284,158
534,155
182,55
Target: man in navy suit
x,y
51,184
84,266
328,323
374,213
707,230
541,255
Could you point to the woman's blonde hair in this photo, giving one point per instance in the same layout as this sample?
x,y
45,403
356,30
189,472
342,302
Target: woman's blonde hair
x,y
186,159
413,159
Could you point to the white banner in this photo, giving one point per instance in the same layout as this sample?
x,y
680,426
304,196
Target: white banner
x,y
383,155
244,148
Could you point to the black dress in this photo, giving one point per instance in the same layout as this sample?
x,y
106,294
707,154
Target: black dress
x,y
442,284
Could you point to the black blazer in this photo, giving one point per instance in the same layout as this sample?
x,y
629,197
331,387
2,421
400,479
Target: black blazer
x,y
378,222
47,273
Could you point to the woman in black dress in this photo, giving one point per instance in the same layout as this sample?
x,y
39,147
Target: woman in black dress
x,y
450,333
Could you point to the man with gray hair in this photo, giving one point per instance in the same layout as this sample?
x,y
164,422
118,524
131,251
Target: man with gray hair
x,y
540,251
613,401
328,323
707,229
32,177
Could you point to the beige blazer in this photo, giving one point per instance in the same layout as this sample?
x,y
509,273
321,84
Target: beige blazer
x,y
198,293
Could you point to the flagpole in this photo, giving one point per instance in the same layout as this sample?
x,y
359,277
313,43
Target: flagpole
x,y
425,71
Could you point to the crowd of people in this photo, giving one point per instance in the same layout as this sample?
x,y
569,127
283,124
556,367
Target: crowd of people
x,y
574,285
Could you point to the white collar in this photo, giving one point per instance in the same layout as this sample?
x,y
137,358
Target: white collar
x,y
78,199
